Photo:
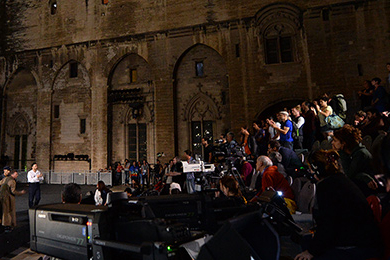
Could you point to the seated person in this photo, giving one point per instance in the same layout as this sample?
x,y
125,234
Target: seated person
x,y
355,158
276,159
174,188
290,159
346,228
71,193
271,178
230,188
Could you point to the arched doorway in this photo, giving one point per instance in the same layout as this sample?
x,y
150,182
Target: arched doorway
x,y
20,112
131,110
201,98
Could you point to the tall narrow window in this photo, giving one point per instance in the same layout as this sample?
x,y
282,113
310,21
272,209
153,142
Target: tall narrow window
x,y
137,141
17,152
56,111
199,69
199,130
133,75
83,124
237,50
73,69
278,44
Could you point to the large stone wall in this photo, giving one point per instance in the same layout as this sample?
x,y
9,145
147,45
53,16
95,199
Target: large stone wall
x,y
336,45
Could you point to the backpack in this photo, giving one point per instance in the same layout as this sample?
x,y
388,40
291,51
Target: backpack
x,y
340,106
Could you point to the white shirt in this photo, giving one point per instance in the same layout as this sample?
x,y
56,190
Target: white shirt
x,y
32,176
98,198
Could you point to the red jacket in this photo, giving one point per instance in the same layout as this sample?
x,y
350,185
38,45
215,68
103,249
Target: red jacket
x,y
272,178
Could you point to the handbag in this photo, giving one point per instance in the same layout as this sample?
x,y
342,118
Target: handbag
x,y
334,121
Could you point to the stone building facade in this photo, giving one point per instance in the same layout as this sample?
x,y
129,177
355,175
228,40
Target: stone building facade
x,y
109,80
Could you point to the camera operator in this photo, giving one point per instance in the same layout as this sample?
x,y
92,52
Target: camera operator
x,y
208,150
231,143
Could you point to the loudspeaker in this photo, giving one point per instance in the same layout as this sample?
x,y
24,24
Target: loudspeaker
x,y
246,237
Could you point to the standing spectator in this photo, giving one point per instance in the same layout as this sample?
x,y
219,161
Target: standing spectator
x,y
309,127
190,176
379,95
127,171
34,189
248,143
145,173
323,111
7,201
366,94
6,171
262,138
273,134
285,130
118,176
134,171
167,169
298,123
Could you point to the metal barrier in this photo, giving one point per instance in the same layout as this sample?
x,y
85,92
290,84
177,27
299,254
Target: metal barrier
x,y
81,178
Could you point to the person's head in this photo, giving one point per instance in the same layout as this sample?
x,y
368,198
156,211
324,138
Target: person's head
x,y
14,174
367,84
158,161
372,113
263,162
346,138
144,162
323,101
360,116
126,160
134,163
296,111
119,164
324,163
376,81
273,145
283,115
205,141
176,159
6,170
275,157
101,185
135,183
188,154
34,166
170,162
229,186
229,137
71,193
305,106
128,192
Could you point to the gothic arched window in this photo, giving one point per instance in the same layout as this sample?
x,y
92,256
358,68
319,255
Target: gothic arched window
x,y
278,44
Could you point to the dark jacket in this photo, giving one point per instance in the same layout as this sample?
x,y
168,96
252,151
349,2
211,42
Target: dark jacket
x,y
344,218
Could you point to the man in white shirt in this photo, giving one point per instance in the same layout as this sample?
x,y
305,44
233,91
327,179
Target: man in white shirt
x,y
34,189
